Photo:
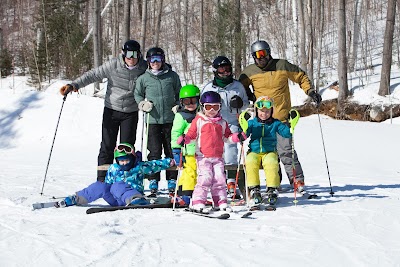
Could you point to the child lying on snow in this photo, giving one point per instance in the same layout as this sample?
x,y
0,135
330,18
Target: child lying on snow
x,y
123,183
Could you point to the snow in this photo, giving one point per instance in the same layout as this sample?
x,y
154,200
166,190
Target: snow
x,y
358,226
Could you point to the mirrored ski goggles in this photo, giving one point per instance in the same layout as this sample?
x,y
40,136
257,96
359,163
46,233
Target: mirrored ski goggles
x,y
215,107
127,149
131,54
260,54
189,100
264,104
156,59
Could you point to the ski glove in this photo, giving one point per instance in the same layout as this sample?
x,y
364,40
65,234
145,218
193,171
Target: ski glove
x,y
176,152
236,102
239,137
243,118
175,109
145,106
182,140
315,97
66,89
294,117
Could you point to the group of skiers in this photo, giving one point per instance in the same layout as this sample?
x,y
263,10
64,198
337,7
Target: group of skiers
x,y
197,130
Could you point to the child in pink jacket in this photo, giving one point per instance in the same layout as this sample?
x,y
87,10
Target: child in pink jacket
x,y
210,131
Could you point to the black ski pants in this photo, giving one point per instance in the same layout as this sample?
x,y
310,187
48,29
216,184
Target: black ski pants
x,y
114,122
159,138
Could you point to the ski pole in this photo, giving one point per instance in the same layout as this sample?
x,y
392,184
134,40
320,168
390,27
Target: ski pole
x,y
52,145
326,160
177,179
293,119
237,173
147,137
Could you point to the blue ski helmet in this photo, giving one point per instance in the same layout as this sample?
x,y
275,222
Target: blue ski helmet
x,y
210,97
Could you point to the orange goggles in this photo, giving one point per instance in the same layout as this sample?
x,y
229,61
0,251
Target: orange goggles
x,y
215,107
260,53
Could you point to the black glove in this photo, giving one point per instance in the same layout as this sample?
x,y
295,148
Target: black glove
x,y
315,97
236,102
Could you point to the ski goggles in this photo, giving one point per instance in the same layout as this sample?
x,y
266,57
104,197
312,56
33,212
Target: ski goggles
x,y
224,69
189,100
215,107
264,103
131,54
260,54
156,58
127,149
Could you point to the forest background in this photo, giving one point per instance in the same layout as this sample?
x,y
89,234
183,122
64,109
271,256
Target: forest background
x,y
334,41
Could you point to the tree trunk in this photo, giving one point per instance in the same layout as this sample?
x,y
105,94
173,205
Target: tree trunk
x,y
310,38
116,45
302,41
384,86
342,64
296,27
96,39
158,25
238,40
356,34
143,29
201,41
126,29
185,39
321,25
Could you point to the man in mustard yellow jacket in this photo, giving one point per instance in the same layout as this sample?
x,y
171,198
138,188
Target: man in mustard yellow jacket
x,y
269,76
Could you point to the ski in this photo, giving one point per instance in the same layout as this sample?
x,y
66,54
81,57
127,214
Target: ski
x,y
246,215
263,207
306,195
44,205
267,204
222,216
149,206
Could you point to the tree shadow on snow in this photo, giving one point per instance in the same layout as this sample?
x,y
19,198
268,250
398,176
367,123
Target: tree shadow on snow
x,y
10,118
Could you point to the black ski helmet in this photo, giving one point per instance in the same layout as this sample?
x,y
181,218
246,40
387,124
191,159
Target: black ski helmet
x,y
131,45
155,51
221,60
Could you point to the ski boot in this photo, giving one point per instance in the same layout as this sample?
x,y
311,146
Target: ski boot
x,y
139,201
299,187
255,194
171,187
231,188
271,196
153,186
66,202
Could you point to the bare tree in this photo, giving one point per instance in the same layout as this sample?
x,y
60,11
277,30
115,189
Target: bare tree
x,y
144,23
158,23
201,41
356,34
96,39
238,39
302,41
342,64
126,29
310,38
320,24
384,86
185,39
115,29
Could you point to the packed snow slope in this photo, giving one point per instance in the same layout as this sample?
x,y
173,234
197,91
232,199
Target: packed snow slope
x,y
358,226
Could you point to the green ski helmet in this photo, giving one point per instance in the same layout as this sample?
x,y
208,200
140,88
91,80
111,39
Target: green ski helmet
x,y
189,90
123,149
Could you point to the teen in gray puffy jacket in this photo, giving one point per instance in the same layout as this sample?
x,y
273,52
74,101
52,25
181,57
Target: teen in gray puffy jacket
x,y
120,108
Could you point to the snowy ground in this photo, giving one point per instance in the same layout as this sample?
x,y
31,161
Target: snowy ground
x,y
358,226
